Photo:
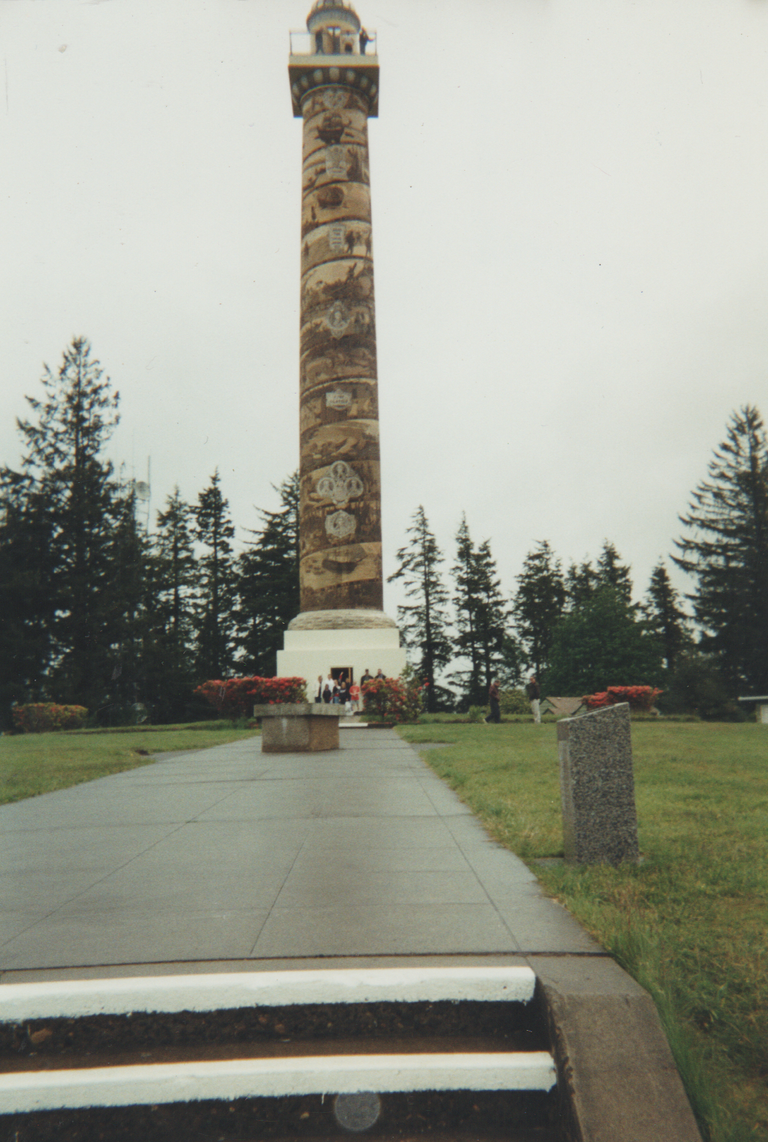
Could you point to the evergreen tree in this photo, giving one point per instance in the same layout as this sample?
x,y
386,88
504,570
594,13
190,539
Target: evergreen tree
x,y
465,601
584,580
25,599
612,573
176,573
269,594
171,592
726,550
581,582
512,661
601,644
664,617
69,504
126,689
481,615
539,604
424,623
216,603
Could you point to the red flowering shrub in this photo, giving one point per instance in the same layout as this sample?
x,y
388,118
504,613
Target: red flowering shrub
x,y
640,698
393,699
47,717
236,697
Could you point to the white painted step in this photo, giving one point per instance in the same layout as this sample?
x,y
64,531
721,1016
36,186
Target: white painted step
x,y
229,991
26,1092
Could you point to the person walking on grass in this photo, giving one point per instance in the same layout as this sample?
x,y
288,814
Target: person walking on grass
x,y
534,694
493,699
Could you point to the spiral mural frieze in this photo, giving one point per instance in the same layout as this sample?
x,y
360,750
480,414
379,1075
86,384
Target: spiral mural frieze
x,y
340,503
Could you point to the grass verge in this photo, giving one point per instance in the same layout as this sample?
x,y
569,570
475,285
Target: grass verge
x,y
690,922
41,763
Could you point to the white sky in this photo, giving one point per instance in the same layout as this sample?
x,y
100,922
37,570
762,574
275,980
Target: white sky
x,y
570,206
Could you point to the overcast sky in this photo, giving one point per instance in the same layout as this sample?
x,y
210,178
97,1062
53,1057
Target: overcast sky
x,y
570,210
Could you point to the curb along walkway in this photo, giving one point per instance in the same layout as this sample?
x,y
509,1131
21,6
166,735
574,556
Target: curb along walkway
x,y
229,860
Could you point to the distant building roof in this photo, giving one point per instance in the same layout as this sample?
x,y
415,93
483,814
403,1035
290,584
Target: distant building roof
x,y
563,707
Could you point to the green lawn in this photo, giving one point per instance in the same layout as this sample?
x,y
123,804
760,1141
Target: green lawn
x,y
691,921
41,763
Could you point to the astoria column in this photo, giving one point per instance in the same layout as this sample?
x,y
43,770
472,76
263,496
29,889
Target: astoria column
x,y
334,89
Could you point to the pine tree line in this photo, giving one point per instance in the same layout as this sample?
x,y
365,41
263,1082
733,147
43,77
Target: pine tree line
x,y
98,611
578,631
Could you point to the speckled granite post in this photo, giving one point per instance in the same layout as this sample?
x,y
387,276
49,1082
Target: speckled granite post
x,y
597,787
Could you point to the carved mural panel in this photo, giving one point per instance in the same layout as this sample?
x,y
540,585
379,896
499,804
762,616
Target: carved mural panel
x,y
324,405
319,207
350,237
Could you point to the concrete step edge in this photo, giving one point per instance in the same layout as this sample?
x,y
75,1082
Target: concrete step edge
x,y
28,1092
76,998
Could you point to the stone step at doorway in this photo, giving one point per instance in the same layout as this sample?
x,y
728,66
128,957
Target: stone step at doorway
x,y
435,1053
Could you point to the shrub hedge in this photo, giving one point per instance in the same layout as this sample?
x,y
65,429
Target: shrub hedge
x,y
235,697
47,717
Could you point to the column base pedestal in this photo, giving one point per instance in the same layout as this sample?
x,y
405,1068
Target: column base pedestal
x,y
317,642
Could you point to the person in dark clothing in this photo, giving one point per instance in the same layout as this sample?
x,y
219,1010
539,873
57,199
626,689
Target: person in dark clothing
x,y
493,698
534,694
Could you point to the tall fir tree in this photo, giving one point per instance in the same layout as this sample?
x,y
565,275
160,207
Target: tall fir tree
x,y
613,573
601,643
481,615
726,550
584,580
664,617
26,602
539,604
169,632
126,693
268,584
68,501
581,582
216,602
424,622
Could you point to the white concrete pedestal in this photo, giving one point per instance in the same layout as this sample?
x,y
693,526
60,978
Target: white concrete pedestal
x,y
353,641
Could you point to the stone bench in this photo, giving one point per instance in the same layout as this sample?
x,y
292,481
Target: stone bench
x,y
762,707
298,727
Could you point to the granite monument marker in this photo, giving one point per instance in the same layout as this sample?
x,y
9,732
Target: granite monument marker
x,y
597,787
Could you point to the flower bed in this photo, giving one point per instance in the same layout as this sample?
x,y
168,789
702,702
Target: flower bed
x,y
48,717
393,699
235,697
640,698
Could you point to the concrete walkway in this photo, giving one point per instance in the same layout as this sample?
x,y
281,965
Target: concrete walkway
x,y
230,855
229,860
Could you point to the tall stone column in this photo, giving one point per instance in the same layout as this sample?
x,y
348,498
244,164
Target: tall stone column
x,y
340,470
334,89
